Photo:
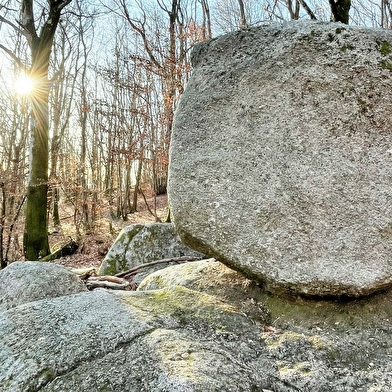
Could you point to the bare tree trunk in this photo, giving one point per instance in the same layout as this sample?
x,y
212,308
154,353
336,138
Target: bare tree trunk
x,y
294,11
3,263
36,242
243,23
137,183
207,34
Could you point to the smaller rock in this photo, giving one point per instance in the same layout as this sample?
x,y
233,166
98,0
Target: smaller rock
x,y
214,278
29,281
139,244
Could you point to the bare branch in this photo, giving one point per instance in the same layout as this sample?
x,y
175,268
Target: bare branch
x,y
294,12
14,26
163,7
243,23
60,4
8,8
20,63
308,10
178,260
142,32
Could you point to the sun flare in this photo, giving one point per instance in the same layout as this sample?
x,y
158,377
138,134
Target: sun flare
x,y
23,85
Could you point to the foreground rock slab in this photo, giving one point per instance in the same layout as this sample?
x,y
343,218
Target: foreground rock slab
x,y
172,335
281,157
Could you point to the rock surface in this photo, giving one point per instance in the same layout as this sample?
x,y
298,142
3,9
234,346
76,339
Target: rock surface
x,y
30,281
281,156
181,338
139,244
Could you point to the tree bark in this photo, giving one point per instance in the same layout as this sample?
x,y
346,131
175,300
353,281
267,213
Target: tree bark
x,y
36,244
243,23
207,32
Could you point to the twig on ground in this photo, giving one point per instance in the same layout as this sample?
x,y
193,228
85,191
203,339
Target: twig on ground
x,y
134,270
67,250
107,282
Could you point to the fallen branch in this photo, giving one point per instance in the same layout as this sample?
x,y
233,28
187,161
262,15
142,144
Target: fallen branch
x,y
107,282
134,270
84,273
67,250
106,285
107,278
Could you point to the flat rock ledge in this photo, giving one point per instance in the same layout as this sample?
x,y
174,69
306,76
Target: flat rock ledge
x,y
281,157
187,330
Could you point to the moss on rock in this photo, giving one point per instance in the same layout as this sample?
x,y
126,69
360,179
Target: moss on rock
x,y
186,307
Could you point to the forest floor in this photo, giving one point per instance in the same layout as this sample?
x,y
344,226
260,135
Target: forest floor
x,y
94,246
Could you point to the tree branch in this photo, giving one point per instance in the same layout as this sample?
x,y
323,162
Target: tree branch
x,y
142,32
60,4
18,61
107,282
14,26
27,21
134,270
308,10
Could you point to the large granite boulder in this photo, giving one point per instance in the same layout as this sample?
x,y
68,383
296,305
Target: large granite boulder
x,y
281,157
139,244
178,337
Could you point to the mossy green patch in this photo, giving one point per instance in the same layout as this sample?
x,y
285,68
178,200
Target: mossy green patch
x,y
385,48
386,64
186,306
114,266
45,375
344,48
115,261
335,313
176,353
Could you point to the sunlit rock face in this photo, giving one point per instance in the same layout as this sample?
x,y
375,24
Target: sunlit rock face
x,y
197,327
281,157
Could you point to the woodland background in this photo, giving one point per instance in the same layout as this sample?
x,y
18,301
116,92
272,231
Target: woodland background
x,y
118,70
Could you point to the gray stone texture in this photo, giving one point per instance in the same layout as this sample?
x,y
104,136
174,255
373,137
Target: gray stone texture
x,y
281,157
179,337
139,244
29,281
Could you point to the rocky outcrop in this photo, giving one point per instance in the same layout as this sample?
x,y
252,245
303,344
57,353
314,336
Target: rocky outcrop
x,y
23,282
172,335
158,340
139,244
281,154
